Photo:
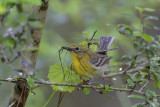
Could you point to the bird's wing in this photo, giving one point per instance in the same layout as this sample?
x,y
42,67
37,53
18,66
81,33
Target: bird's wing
x,y
105,43
100,60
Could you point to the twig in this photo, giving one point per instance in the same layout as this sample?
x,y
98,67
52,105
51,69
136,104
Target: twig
x,y
38,84
127,90
90,86
20,97
143,86
5,57
93,35
127,71
12,104
60,98
16,56
138,55
10,80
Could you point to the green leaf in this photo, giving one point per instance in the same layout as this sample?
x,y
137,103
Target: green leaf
x,y
22,17
141,10
9,43
86,34
149,9
156,82
93,47
100,85
36,2
156,59
125,29
58,75
86,90
146,37
140,104
152,18
5,4
153,104
130,82
133,63
84,43
136,96
126,58
154,66
107,89
2,9
30,82
150,94
151,26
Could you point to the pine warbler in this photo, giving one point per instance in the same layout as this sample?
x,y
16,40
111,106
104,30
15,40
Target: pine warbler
x,y
91,64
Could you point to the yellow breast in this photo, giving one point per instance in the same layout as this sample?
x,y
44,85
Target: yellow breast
x,y
83,67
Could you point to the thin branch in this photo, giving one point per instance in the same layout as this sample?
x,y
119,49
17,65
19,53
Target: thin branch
x,y
127,71
93,35
10,80
38,84
127,90
90,86
12,104
143,86
61,96
5,57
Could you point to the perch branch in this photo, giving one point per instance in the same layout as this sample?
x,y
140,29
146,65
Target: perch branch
x,y
40,83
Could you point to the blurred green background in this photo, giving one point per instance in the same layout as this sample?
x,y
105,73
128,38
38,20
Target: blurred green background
x,y
67,23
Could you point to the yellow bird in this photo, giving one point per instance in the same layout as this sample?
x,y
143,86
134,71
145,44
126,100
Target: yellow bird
x,y
91,64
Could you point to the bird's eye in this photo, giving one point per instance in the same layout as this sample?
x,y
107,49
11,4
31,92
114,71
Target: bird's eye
x,y
77,48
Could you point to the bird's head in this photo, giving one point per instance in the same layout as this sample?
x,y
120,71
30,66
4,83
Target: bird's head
x,y
76,51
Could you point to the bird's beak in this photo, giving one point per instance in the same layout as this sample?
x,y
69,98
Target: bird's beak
x,y
67,48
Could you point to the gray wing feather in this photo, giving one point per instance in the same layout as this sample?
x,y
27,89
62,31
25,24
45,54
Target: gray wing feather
x,y
98,62
105,42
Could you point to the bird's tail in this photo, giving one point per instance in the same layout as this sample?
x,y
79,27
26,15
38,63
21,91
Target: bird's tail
x,y
105,43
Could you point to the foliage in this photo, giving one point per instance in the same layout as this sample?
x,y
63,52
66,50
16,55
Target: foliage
x,y
86,90
147,48
16,24
147,51
136,40
57,74
107,89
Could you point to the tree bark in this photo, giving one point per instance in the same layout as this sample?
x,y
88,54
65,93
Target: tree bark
x,y
20,92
